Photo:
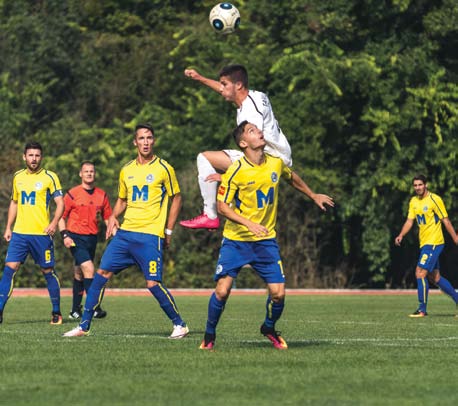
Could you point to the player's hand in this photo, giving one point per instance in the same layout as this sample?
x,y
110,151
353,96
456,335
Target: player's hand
x,y
214,177
398,240
320,200
257,229
7,235
191,73
112,227
167,241
51,229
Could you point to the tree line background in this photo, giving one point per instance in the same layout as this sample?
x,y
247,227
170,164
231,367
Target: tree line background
x,y
366,92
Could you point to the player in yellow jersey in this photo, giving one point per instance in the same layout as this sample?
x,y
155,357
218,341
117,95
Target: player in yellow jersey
x,y
33,232
248,197
146,185
429,211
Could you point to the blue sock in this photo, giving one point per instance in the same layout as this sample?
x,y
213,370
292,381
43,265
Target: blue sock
x,y
446,287
422,290
54,290
6,285
167,303
215,309
78,289
93,298
273,311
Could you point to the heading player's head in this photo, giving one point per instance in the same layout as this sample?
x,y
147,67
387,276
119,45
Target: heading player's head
x,y
234,83
235,73
247,135
144,140
33,153
87,173
420,186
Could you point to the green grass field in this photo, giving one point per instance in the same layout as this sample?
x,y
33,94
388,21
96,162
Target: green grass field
x,y
343,350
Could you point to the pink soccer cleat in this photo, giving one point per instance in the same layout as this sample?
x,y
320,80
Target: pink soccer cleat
x,y
201,221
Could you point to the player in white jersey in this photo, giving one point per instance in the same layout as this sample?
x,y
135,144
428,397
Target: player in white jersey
x,y
252,106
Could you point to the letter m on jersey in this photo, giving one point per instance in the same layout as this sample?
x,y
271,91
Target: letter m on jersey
x,y
265,199
28,199
140,194
421,219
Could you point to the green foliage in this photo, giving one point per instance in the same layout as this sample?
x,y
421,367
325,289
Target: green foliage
x,y
365,92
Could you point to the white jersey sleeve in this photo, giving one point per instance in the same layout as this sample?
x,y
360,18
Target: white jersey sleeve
x,y
256,109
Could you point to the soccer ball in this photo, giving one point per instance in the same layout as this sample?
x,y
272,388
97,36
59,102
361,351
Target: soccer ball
x,y
224,18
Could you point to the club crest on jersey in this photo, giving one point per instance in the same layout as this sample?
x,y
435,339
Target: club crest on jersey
x,y
38,186
149,178
425,208
274,177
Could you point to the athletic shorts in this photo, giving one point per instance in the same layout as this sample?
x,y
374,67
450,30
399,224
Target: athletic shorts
x,y
263,256
129,248
234,154
429,257
40,247
84,249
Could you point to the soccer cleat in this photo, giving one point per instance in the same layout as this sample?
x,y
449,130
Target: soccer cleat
x,y
208,343
179,332
274,336
75,314
201,221
76,332
418,313
56,318
100,313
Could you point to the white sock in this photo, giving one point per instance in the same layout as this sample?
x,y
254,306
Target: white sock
x,y
207,189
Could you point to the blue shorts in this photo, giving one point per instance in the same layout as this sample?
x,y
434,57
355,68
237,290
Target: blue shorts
x,y
40,247
129,248
263,256
84,249
429,257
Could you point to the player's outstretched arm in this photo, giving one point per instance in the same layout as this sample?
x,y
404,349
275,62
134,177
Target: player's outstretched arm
x,y
320,199
211,83
257,229
404,230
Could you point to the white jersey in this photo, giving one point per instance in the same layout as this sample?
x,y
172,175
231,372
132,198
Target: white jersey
x,y
256,109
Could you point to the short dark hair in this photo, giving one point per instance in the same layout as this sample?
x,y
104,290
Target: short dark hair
x,y
145,125
236,73
419,177
238,132
87,163
33,145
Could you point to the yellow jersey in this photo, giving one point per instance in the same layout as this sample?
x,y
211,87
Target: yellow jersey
x,y
147,189
33,193
428,212
252,190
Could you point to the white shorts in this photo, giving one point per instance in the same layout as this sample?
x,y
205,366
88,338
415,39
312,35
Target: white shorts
x,y
233,154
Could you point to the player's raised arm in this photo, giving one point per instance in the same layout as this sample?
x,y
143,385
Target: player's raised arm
x,y
211,83
320,199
